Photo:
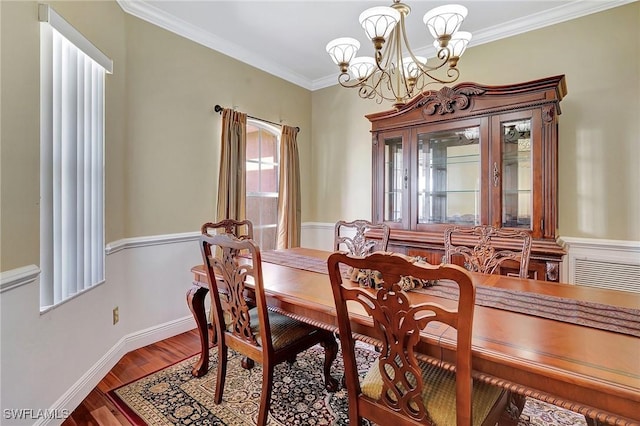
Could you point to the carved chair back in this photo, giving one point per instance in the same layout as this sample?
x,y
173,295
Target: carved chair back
x,y
352,237
396,389
486,248
239,228
242,229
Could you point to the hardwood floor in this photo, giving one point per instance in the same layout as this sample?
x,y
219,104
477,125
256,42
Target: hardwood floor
x,y
97,409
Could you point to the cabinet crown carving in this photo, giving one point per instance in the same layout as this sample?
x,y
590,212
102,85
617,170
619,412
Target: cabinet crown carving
x,y
448,100
469,99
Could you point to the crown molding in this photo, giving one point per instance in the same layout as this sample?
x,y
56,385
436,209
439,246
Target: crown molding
x,y
557,15
146,11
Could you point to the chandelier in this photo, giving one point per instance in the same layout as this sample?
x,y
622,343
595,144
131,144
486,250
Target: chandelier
x,y
395,73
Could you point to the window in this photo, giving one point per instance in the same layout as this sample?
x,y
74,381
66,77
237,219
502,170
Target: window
x,y
72,77
262,181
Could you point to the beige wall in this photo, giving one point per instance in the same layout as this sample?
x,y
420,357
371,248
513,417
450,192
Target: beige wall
x,y
599,149
173,133
162,136
103,23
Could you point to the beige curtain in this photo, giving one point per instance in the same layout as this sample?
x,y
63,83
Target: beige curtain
x,y
232,180
289,190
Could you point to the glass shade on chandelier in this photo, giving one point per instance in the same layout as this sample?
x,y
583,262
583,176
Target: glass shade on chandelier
x,y
395,73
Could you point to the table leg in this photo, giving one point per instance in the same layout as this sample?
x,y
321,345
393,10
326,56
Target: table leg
x,y
195,299
330,346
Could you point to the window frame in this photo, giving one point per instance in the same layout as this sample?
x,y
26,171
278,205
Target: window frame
x,y
277,133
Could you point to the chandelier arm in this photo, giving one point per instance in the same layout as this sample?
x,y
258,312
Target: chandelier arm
x,y
407,86
376,85
369,89
400,78
443,55
345,80
452,73
383,56
374,88
426,71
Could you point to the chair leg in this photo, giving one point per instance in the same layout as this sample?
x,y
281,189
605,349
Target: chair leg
x,y
247,363
511,416
222,372
330,346
265,395
213,335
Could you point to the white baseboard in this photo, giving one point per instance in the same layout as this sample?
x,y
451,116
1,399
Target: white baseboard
x,y
78,392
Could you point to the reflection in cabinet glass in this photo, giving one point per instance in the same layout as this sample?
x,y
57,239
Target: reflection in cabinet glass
x,y
516,174
394,177
448,176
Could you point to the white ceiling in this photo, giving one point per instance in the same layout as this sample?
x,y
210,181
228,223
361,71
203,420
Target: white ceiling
x,y
288,38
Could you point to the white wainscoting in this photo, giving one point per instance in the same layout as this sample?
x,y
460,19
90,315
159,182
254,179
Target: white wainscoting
x,y
611,264
317,235
52,360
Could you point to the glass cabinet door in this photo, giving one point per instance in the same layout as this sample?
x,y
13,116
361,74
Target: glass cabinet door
x,y
448,176
516,173
394,180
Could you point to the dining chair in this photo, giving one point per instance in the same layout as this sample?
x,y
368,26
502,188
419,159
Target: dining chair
x,y
258,333
352,237
477,245
402,386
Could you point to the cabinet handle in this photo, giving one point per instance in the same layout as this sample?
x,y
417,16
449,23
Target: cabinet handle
x,y
406,178
496,175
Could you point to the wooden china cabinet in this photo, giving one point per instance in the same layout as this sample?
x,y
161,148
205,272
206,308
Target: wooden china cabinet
x,y
471,155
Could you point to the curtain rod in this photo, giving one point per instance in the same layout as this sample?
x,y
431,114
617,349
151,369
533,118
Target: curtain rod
x,y
218,109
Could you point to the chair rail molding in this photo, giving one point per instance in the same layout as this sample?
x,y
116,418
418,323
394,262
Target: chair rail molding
x,y
17,277
128,243
14,278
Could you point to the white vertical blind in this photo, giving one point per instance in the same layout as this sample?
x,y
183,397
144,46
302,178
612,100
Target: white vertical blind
x,y
72,166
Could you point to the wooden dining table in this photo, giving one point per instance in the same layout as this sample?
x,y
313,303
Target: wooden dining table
x,y
592,371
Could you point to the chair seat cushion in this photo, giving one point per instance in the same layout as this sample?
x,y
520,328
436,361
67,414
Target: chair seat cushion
x,y
439,393
284,330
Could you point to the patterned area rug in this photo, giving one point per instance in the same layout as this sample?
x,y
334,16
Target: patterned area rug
x,y
173,397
